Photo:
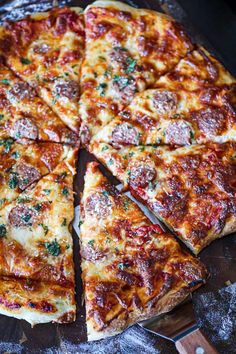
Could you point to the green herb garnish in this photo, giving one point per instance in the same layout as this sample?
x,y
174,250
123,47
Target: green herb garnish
x,y
131,65
53,248
25,61
7,144
3,230
13,181
91,243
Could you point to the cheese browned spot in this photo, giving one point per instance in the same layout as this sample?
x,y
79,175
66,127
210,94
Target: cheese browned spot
x,y
131,269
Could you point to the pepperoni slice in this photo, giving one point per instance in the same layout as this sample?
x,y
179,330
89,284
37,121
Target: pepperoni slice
x,y
68,89
141,175
165,102
125,134
119,57
24,128
27,174
179,133
99,205
21,216
21,91
210,120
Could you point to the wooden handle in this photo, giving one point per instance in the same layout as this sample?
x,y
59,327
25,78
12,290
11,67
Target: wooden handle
x,y
195,343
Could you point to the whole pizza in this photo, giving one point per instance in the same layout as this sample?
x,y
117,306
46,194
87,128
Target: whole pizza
x,y
156,110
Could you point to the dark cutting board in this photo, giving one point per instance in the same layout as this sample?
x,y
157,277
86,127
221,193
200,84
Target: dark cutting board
x,y
17,336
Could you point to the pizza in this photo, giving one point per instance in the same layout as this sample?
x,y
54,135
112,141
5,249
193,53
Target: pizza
x,y
25,116
198,70
36,250
191,189
131,269
181,110
127,49
21,166
46,50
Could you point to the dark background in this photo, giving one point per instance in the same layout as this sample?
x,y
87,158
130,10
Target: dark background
x,y
216,20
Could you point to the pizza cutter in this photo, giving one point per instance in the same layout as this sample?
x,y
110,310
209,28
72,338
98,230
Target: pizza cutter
x,y
180,326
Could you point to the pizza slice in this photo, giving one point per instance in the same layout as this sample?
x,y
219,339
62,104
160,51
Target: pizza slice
x,y
126,50
25,116
23,165
198,70
36,250
181,110
131,269
46,50
192,189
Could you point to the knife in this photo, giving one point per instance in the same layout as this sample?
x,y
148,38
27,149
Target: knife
x,y
180,326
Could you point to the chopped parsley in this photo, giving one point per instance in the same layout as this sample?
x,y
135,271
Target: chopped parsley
x,y
1,116
191,134
15,155
23,200
104,148
25,61
121,266
13,181
125,114
3,230
64,222
126,205
131,65
123,81
2,201
53,248
121,48
108,72
47,191
95,74
80,223
37,207
105,193
5,82
26,218
7,144
101,57
54,101
65,191
102,87
110,162
108,240
45,228
131,154
91,243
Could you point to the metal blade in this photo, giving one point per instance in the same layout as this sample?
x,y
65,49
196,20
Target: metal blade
x,y
175,324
